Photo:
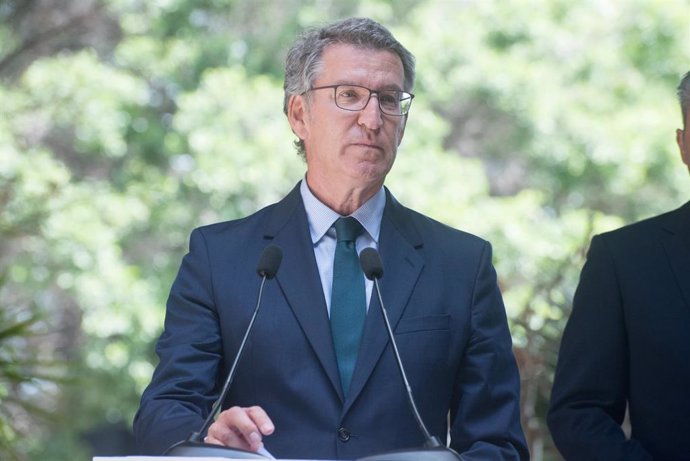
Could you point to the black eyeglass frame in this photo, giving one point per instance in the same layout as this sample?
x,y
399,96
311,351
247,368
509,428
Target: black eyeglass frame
x,y
405,96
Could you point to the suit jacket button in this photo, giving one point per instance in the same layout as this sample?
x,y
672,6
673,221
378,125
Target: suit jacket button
x,y
343,434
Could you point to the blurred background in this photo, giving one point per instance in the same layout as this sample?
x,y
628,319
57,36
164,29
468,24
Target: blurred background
x,y
124,124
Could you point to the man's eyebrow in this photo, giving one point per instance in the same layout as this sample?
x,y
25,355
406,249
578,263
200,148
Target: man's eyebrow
x,y
392,87
386,87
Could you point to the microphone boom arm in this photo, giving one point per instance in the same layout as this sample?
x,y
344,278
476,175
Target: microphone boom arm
x,y
196,436
193,446
433,449
431,441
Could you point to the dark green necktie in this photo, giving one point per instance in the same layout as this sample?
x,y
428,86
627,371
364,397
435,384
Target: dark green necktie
x,y
348,299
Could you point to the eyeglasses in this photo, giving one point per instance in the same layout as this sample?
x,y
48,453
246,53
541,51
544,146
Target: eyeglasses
x,y
355,98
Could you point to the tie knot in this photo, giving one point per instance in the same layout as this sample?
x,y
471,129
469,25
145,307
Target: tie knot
x,y
347,229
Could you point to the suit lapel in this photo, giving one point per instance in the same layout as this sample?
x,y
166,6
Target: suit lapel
x,y
300,283
299,280
676,242
398,246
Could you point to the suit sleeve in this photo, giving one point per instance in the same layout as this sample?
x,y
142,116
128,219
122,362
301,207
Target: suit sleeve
x,y
485,412
185,381
589,394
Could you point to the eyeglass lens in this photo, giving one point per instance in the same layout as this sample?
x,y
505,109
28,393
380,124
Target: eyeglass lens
x,y
392,102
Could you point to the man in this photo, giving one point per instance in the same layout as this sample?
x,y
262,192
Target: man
x,y
298,392
627,342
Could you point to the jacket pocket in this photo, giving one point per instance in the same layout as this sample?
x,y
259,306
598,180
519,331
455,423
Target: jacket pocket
x,y
425,323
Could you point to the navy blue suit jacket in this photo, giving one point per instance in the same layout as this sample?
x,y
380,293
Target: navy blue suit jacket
x,y
628,342
444,304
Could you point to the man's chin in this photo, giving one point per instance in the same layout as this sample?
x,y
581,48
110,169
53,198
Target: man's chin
x,y
371,172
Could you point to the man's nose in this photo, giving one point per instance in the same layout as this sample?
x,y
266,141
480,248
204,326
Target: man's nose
x,y
371,116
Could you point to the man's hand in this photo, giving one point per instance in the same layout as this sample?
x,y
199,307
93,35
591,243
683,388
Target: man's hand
x,y
239,427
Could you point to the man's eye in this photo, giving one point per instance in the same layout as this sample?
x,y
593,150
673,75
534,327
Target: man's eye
x,y
348,94
389,99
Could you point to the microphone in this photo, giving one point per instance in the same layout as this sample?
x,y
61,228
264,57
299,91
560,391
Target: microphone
x,y
268,265
433,449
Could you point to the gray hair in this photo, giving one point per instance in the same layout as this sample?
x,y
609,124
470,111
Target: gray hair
x,y
684,97
304,62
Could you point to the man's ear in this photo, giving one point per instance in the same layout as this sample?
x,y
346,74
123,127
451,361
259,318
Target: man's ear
x,y
683,147
402,129
298,114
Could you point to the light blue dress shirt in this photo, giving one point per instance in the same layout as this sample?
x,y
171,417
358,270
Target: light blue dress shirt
x,y
321,220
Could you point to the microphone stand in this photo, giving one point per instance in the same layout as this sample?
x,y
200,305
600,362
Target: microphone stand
x,y
433,449
193,446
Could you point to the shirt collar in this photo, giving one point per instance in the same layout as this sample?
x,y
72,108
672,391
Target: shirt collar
x,y
321,218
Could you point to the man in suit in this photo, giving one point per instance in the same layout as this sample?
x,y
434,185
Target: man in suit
x,y
627,341
347,100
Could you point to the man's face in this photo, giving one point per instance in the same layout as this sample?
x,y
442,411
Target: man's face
x,y
350,148
683,140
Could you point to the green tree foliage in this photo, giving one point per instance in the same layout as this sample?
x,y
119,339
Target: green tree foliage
x,y
126,123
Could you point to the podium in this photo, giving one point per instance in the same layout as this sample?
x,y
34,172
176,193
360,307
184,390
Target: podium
x,y
173,458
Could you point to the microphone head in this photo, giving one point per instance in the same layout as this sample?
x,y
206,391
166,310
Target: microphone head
x,y
269,262
371,263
